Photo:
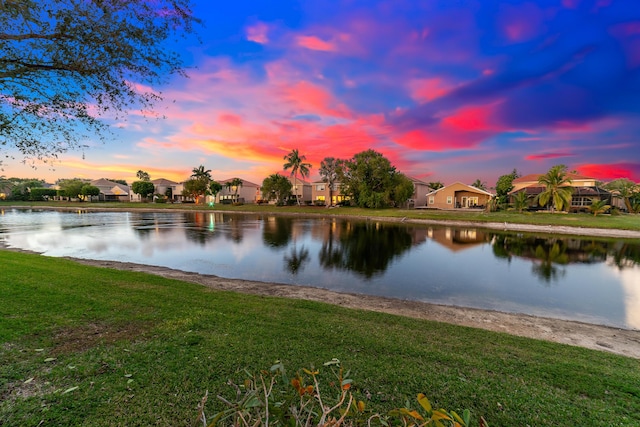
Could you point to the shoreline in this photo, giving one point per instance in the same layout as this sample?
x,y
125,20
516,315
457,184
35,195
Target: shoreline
x,y
625,342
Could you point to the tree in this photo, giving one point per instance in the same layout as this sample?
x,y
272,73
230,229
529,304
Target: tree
x,y
143,176
479,184
598,206
201,173
295,162
144,188
198,185
89,190
118,181
402,189
329,174
504,185
214,188
195,188
276,187
234,184
520,200
66,65
436,185
371,180
71,188
557,189
626,189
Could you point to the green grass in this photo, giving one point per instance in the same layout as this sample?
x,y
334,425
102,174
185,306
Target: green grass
x,y
142,350
622,221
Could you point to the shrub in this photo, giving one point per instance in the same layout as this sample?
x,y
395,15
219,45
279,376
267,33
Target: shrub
x,y
271,398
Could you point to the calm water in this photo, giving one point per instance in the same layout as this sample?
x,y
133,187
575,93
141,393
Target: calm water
x,y
591,280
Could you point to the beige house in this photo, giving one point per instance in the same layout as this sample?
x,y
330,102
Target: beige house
x,y
111,191
320,193
420,190
170,189
248,192
531,180
458,196
301,189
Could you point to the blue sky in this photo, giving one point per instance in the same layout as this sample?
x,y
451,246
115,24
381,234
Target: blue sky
x,y
449,90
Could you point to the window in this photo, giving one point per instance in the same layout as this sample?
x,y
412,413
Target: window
x,y
320,198
320,187
431,200
449,200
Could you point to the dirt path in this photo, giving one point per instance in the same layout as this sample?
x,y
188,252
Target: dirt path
x,y
619,341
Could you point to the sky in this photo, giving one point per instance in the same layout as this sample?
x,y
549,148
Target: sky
x,y
447,90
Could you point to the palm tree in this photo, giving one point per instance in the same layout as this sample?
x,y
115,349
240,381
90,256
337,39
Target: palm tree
x,y
557,189
435,185
625,189
296,163
598,206
479,184
201,173
520,200
234,184
329,173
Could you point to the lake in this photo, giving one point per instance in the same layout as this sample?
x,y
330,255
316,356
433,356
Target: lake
x,y
592,280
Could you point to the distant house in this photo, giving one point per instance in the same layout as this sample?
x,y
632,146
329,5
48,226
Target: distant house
x,y
247,193
320,193
170,189
420,190
302,189
111,191
458,196
585,189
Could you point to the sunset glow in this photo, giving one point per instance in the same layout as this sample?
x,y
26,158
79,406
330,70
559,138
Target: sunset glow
x,y
452,91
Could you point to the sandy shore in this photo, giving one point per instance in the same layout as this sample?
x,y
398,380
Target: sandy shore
x,y
619,341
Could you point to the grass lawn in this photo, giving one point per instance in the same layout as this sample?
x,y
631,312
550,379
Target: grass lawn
x,y
621,221
88,346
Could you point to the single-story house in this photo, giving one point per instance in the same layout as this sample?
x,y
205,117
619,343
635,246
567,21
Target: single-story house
x,y
111,191
458,196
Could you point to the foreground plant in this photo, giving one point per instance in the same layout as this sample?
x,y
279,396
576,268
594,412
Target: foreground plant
x,y
270,398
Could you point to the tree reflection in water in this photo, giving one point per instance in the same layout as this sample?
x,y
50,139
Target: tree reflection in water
x,y
277,231
551,252
295,260
366,248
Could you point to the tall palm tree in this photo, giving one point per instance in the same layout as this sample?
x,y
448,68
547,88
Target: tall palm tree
x,y
234,184
598,206
295,162
557,189
329,173
201,173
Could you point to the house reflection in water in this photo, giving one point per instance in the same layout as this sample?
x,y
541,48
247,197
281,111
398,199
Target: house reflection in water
x,y
458,239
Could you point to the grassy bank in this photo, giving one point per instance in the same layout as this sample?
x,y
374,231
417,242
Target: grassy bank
x,y
621,222
81,345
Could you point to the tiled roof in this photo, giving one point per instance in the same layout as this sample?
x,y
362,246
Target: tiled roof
x,y
533,177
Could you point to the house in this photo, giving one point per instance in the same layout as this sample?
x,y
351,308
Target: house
x,y
585,189
458,196
111,191
301,189
248,192
170,189
320,193
420,190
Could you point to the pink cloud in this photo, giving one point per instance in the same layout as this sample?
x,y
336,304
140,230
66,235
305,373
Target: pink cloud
x,y
476,118
258,33
545,156
607,172
424,90
315,43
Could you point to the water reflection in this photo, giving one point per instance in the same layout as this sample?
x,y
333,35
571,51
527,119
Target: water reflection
x,y
366,248
588,279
